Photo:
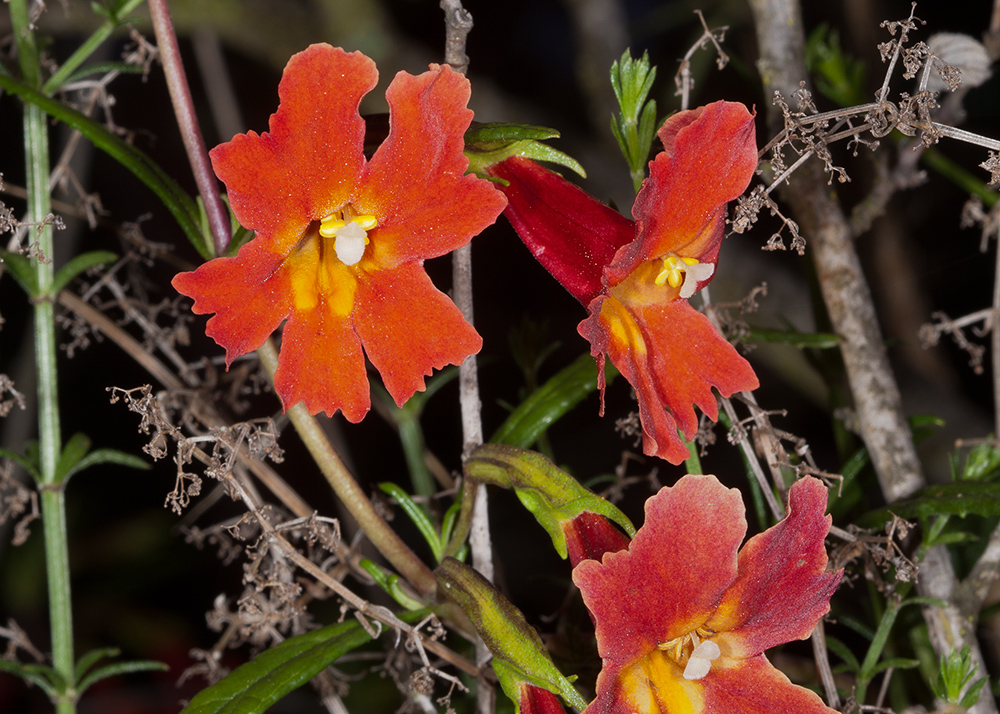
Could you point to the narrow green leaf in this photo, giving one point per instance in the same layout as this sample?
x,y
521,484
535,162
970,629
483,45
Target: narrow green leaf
x,y
35,673
181,205
803,340
897,662
79,264
119,668
91,658
272,674
418,516
26,463
20,269
550,402
960,499
844,652
74,450
108,456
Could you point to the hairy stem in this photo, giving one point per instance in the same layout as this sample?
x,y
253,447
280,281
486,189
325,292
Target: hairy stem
x,y
388,543
36,153
187,122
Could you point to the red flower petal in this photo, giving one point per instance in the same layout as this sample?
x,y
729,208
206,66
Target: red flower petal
x,y
414,183
672,356
670,579
572,234
754,686
783,587
535,700
710,157
250,294
306,166
589,536
409,328
321,364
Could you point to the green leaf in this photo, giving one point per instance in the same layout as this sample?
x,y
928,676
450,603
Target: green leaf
x,y
179,203
962,498
119,668
550,402
25,462
844,652
74,450
802,340
390,583
79,264
91,658
20,269
489,144
896,662
45,677
272,674
109,456
982,463
418,516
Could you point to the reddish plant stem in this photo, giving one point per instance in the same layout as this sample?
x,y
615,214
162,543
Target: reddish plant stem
x,y
187,122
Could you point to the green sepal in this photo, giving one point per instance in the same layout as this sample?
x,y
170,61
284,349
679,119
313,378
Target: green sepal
x,y
519,655
552,495
551,401
489,144
20,269
77,265
275,672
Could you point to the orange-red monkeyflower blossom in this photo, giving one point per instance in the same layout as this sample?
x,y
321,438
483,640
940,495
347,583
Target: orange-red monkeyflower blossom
x,y
683,619
635,278
340,240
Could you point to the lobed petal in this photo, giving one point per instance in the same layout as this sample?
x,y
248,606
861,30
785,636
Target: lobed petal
x,y
307,164
251,295
754,686
672,356
409,328
709,158
414,183
572,234
321,364
670,579
782,588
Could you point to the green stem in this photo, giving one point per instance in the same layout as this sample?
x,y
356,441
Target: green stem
x,y
36,151
388,543
84,51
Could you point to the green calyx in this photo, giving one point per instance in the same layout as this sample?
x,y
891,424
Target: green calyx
x,y
519,655
552,495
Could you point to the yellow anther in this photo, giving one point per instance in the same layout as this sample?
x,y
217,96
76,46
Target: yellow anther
x,y
366,222
673,271
329,226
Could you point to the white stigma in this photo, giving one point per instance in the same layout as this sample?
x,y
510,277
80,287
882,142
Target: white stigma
x,y
350,243
694,274
700,661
